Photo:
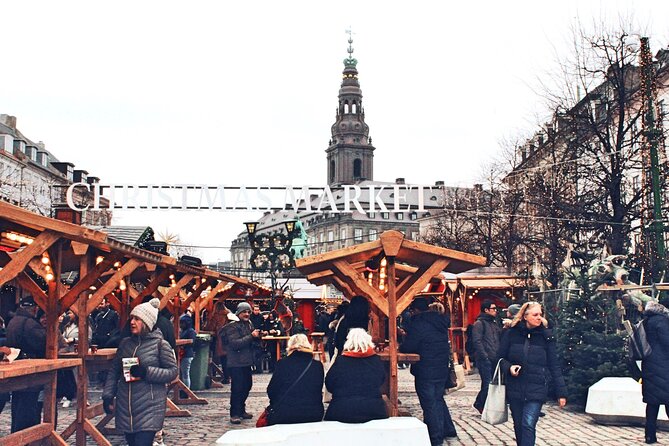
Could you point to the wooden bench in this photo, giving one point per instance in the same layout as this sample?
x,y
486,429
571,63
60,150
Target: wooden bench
x,y
398,431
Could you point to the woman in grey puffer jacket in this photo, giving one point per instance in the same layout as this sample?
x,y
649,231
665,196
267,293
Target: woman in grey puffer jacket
x,y
139,397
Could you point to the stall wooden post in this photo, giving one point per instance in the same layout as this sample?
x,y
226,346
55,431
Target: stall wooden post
x,y
52,311
392,335
82,349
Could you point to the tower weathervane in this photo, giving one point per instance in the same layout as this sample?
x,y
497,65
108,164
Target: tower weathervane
x,y
350,42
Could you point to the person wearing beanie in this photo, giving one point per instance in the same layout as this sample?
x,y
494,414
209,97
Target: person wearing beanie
x,y
511,312
137,394
239,337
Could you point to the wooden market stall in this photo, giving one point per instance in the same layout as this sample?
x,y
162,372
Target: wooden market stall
x,y
36,251
389,272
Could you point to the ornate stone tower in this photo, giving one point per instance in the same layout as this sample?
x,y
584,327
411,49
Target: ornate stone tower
x,y
350,152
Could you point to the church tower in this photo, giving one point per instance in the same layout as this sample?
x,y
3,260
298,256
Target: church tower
x,y
350,154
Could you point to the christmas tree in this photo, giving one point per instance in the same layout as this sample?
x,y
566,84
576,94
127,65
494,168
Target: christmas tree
x,y
589,344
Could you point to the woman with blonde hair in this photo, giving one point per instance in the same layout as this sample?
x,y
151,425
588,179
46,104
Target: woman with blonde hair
x,y
355,381
296,388
527,353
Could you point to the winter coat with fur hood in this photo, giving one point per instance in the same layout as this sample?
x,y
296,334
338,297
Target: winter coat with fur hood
x,y
655,378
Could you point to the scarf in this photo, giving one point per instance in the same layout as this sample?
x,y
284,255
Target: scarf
x,y
352,354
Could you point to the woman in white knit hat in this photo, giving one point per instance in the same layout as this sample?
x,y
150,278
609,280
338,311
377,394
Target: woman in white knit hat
x,y
136,386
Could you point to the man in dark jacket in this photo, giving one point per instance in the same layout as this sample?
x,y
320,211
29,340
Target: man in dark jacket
x,y
486,333
26,333
104,323
428,336
239,339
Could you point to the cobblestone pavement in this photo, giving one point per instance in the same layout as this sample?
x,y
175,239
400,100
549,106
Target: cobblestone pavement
x,y
558,427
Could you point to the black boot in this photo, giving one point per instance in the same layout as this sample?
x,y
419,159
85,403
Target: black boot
x,y
650,439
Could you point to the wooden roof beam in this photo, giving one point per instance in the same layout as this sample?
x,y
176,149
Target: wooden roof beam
x,y
89,279
110,285
195,294
150,288
419,282
173,291
19,261
358,284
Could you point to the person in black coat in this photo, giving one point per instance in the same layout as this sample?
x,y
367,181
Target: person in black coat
x,y
527,353
355,381
428,336
294,401
25,332
655,379
356,316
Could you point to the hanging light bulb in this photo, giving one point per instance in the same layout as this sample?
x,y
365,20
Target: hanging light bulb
x,y
117,264
49,277
99,260
45,258
121,285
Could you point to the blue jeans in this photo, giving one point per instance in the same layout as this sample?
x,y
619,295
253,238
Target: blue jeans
x,y
525,415
485,371
141,438
185,370
435,411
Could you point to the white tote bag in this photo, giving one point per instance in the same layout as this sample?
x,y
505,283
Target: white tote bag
x,y
496,410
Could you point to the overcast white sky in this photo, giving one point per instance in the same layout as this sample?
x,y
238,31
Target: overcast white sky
x,y
244,93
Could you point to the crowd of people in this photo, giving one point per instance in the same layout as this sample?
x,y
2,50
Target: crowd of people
x,y
302,389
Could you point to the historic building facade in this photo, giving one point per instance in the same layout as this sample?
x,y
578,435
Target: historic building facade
x,y
33,178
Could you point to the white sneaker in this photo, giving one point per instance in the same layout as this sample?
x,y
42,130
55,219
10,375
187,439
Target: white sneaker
x,y
66,402
158,443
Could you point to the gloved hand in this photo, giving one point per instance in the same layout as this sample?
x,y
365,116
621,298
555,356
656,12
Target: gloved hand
x,y
138,371
108,405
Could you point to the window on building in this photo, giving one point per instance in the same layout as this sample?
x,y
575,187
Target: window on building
x,y
342,236
373,235
413,215
357,234
330,236
414,235
371,214
321,237
357,168
332,170
385,215
399,215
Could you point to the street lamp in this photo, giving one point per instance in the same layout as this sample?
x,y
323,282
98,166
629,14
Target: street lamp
x,y
271,252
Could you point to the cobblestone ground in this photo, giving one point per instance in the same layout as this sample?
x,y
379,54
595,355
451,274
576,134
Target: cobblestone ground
x,y
558,427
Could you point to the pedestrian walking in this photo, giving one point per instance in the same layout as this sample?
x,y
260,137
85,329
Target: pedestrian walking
x,y
654,377
427,335
355,380
187,332
527,353
296,388
239,337
136,386
486,333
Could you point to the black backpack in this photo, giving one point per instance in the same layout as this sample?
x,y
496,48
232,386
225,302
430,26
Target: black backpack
x,y
469,343
638,347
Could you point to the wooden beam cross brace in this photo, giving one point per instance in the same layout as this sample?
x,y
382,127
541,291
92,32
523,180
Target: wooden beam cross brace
x,y
111,284
21,259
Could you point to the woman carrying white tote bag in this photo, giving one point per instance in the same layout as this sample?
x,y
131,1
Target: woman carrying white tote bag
x,y
496,411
